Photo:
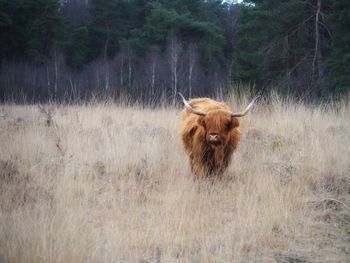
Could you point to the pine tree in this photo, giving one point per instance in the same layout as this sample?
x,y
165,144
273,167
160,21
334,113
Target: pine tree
x,y
77,48
276,45
338,61
30,28
190,21
110,23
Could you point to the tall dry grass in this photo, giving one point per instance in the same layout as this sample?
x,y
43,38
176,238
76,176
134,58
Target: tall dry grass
x,y
108,183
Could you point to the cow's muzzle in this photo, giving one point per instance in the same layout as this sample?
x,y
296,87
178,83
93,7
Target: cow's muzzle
x,y
214,139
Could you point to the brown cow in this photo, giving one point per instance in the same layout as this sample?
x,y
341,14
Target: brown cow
x,y
210,134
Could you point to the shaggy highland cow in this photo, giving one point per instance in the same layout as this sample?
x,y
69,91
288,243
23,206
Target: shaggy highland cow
x,y
210,135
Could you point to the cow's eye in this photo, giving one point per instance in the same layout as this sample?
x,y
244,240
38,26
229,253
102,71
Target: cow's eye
x,y
229,126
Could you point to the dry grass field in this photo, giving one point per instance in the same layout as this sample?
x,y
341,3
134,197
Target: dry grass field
x,y
111,183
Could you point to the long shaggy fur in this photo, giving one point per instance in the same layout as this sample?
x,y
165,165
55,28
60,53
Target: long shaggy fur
x,y
206,160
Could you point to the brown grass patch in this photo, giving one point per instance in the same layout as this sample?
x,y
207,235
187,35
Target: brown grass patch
x,y
104,183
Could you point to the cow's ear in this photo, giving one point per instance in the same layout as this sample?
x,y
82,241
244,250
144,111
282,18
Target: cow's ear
x,y
234,122
201,121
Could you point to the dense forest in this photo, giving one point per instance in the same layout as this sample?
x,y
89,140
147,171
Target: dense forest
x,y
147,50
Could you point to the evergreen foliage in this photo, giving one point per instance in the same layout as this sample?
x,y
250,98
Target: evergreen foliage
x,y
266,42
192,21
294,45
30,29
338,62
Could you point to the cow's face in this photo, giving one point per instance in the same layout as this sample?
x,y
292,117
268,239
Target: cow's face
x,y
218,125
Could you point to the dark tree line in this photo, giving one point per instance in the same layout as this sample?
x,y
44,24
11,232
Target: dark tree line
x,y
300,46
74,49
144,49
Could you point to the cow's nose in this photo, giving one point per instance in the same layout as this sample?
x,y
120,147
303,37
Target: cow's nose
x,y
213,137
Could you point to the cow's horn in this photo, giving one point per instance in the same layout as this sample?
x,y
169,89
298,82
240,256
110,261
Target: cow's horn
x,y
242,113
189,107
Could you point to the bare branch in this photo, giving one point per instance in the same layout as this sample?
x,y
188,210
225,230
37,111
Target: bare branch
x,y
326,27
317,36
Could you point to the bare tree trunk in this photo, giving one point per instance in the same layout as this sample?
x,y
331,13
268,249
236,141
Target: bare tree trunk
x,y
317,55
106,64
121,70
48,81
98,78
191,66
153,66
316,35
173,62
56,72
129,67
152,62
105,49
72,88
